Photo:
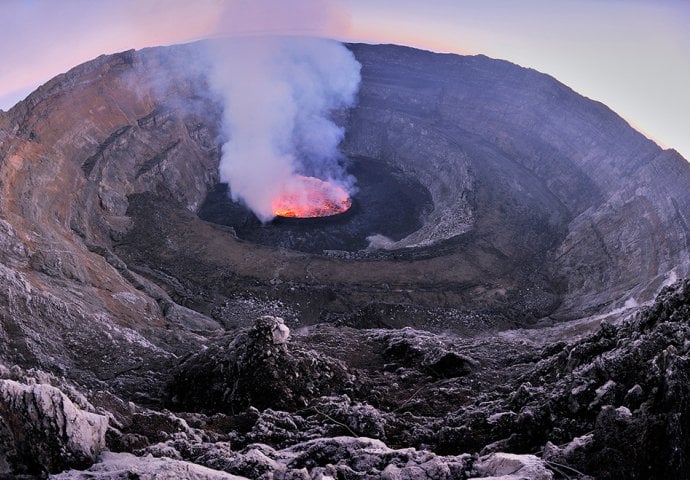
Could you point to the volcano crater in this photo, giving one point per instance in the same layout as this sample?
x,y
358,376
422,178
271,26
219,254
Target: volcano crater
x,y
536,217
388,204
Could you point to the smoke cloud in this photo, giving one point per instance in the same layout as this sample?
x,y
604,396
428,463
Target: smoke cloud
x,y
42,38
278,93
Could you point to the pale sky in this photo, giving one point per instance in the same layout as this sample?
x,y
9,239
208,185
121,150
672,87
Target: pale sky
x,y
633,55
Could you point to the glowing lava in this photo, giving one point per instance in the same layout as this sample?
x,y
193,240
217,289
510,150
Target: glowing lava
x,y
309,197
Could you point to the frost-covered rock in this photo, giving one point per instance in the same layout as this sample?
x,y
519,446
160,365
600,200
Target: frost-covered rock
x,y
117,466
42,430
355,417
629,386
576,452
279,331
335,457
508,466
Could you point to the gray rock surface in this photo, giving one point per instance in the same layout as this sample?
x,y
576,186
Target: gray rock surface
x,y
506,466
42,430
116,466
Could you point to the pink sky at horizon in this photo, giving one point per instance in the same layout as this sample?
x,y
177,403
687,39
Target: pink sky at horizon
x,y
632,55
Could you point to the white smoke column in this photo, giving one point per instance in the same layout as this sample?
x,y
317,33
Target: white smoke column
x,y
278,93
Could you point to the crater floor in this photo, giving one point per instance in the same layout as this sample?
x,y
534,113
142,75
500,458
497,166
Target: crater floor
x,y
386,202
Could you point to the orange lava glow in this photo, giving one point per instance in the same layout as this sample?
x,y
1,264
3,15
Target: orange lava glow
x,y
309,197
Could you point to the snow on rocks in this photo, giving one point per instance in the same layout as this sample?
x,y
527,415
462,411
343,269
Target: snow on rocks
x,y
349,457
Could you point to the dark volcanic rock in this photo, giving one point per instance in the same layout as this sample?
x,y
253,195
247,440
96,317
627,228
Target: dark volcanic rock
x,y
627,387
624,389
426,352
255,368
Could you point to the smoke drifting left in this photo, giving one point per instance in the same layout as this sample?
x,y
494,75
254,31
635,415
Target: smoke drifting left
x,y
42,38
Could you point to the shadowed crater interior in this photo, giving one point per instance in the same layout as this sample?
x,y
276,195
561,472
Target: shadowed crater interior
x,y
387,202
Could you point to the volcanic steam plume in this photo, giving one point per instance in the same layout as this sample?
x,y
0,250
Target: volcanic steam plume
x,y
281,156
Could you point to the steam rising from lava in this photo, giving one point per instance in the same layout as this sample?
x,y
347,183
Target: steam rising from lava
x,y
308,197
278,94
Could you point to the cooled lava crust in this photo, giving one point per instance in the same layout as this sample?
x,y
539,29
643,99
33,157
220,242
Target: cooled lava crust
x,y
386,203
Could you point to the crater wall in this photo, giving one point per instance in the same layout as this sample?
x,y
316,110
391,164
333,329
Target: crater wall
x,y
545,206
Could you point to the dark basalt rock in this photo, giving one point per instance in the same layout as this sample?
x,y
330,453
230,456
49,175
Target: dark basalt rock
x,y
628,385
426,352
256,368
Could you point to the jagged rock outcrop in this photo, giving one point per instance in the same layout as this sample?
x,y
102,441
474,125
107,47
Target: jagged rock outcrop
x,y
255,368
625,379
426,352
43,431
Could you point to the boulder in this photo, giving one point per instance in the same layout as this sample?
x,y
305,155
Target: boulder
x,y
42,431
118,466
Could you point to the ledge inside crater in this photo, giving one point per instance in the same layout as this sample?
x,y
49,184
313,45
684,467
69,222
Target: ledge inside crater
x,y
387,202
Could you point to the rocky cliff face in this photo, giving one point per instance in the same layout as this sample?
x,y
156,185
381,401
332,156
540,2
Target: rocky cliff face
x,y
504,150
545,207
71,153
